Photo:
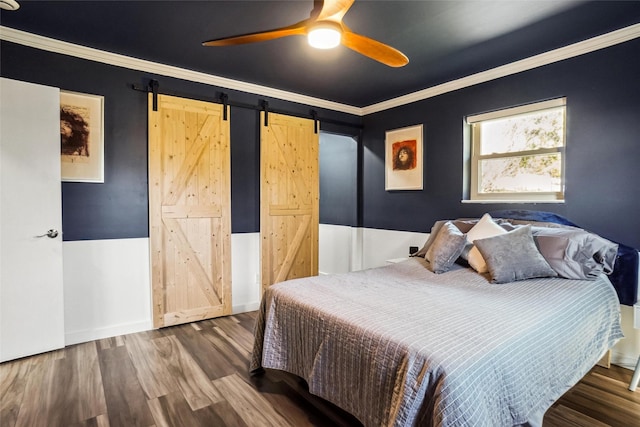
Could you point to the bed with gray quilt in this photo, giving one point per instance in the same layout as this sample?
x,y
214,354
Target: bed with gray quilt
x,y
402,345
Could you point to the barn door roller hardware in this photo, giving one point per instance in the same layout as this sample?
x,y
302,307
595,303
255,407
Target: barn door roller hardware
x,y
224,100
265,107
314,116
153,87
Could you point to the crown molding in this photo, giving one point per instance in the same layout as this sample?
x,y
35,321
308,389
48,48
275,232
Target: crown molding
x,y
91,54
586,46
546,58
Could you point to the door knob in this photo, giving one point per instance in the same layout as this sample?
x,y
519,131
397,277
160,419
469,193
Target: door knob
x,y
51,234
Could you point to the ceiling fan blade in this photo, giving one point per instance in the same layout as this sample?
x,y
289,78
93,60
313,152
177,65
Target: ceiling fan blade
x,y
374,49
299,28
333,10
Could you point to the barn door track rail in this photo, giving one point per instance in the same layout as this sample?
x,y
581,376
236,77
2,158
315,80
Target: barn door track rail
x,y
153,87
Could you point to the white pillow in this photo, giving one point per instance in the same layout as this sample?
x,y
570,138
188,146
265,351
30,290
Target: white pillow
x,y
486,227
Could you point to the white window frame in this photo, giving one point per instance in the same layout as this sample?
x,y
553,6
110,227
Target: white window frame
x,y
476,120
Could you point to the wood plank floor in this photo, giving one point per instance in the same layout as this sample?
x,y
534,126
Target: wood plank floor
x,y
196,375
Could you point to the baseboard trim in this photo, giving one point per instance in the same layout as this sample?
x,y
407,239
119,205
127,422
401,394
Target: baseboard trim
x,y
622,360
77,337
244,308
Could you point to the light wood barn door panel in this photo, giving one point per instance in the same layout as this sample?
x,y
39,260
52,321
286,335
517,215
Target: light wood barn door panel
x,y
189,211
289,199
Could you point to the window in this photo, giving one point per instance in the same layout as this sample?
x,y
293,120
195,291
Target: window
x,y
518,154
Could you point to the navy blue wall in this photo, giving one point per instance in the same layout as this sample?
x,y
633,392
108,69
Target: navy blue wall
x,y
119,207
602,153
603,145
338,180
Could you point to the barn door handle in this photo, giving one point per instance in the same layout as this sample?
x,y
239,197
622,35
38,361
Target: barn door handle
x,y
52,234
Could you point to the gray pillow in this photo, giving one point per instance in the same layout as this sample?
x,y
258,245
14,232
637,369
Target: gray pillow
x,y
446,248
462,224
464,256
575,253
513,256
432,237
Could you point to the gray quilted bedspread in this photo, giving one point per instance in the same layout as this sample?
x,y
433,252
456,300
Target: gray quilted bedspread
x,y
401,346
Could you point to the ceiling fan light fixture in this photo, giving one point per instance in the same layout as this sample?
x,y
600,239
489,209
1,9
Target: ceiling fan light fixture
x,y
9,4
325,36
324,30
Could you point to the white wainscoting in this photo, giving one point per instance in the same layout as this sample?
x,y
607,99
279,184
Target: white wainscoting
x,y
626,352
107,289
343,249
245,272
335,248
381,245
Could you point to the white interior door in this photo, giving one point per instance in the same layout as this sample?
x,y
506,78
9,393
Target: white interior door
x,y
31,292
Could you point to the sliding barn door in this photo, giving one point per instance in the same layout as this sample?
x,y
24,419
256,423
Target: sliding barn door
x,y
189,211
289,199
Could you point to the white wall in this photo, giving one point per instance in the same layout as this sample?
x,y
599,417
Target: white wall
x,y
107,286
245,272
344,249
107,289
626,352
335,247
378,246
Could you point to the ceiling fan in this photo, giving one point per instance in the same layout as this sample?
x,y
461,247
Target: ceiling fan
x,y
9,5
324,29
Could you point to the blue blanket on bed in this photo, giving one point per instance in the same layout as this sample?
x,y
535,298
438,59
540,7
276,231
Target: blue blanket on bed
x,y
625,274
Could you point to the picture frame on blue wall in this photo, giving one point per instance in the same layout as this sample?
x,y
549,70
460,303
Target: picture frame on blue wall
x,y
404,158
81,137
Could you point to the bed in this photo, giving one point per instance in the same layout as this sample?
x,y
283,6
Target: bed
x,y
402,345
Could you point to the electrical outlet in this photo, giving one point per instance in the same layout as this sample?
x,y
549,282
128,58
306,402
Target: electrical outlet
x,y
413,249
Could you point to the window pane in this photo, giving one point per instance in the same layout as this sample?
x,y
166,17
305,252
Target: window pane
x,y
541,129
540,173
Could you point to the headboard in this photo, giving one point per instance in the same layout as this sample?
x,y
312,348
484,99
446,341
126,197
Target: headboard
x,y
625,272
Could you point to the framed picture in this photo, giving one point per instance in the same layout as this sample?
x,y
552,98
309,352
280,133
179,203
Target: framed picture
x,y
81,137
403,159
